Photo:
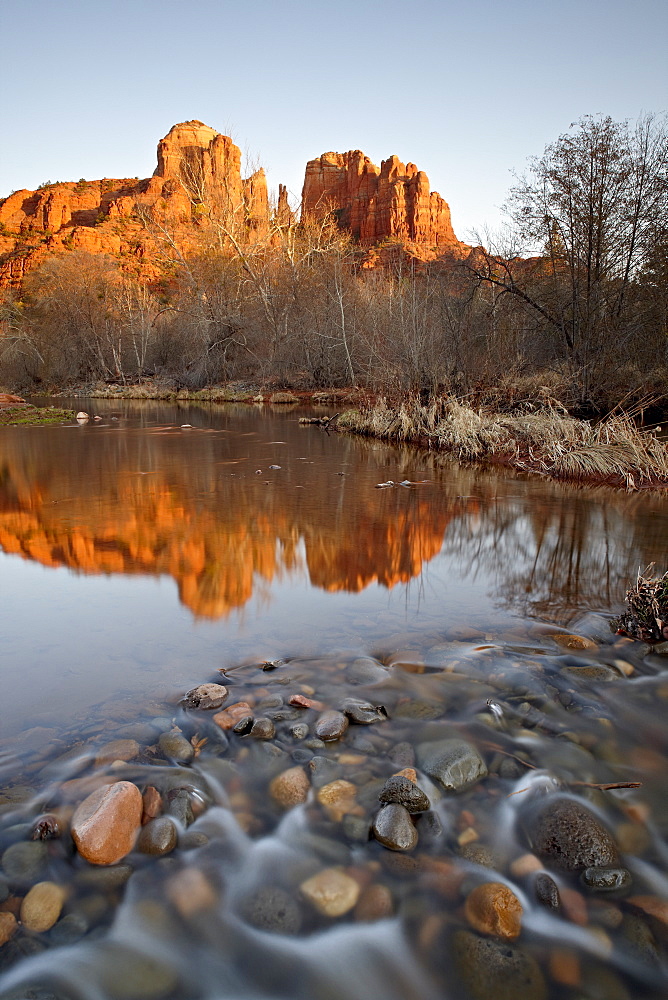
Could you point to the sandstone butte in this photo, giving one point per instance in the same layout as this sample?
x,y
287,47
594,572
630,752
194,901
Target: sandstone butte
x,y
199,170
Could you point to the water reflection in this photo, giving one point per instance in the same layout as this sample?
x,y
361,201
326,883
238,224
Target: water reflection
x,y
204,506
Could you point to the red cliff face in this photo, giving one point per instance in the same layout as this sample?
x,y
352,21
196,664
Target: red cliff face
x,y
198,173
377,204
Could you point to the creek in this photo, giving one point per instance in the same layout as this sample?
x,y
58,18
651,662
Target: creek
x,y
459,610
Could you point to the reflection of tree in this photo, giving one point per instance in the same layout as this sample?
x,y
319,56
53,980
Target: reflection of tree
x,y
554,551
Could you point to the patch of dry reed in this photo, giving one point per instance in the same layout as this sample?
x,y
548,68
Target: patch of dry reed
x,y
547,441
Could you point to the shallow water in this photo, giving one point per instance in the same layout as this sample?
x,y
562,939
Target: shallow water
x,y
140,558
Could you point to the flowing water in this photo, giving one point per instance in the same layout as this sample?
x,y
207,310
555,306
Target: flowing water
x,y
459,607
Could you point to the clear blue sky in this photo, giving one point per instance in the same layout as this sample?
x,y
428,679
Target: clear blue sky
x,y
467,91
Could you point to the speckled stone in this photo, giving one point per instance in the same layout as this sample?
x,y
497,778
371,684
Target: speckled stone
x,y
273,909
406,793
488,967
572,837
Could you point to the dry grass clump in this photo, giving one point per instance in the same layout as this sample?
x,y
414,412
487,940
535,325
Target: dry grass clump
x,y
646,617
546,441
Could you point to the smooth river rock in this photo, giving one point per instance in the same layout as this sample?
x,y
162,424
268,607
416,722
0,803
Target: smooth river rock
x,y
406,793
42,906
454,763
290,788
105,825
492,908
175,746
331,726
571,836
490,968
158,837
394,829
331,892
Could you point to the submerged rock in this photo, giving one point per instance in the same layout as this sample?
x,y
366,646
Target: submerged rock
x,y
571,836
454,763
331,891
331,726
273,909
405,792
493,908
494,968
42,906
290,788
394,828
105,825
176,747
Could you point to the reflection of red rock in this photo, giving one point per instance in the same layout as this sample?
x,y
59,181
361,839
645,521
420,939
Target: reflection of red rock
x,y
214,552
375,204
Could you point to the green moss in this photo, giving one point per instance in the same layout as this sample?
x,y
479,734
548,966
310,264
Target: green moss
x,y
15,415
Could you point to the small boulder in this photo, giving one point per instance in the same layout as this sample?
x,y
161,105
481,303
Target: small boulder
x,y
394,829
454,763
405,792
105,825
572,837
487,967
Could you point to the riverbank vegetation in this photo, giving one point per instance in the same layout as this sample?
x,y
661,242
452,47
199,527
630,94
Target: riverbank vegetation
x,y
567,308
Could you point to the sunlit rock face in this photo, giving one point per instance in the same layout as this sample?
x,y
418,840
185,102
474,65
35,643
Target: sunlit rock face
x,y
197,178
375,204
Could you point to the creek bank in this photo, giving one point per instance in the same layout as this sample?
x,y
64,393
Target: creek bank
x,y
444,793
15,411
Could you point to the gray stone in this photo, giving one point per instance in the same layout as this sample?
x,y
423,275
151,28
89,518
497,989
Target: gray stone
x,y
299,731
394,828
158,837
331,726
362,712
69,929
494,968
263,729
364,670
547,891
180,806
571,836
274,910
617,880
406,793
23,863
454,763
206,696
176,747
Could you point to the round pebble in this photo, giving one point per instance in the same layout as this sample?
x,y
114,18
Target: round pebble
x,y
158,837
492,908
331,892
176,747
41,907
8,927
394,828
331,726
607,879
406,793
290,788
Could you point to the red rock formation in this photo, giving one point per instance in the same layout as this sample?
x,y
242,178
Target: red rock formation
x,y
376,204
198,176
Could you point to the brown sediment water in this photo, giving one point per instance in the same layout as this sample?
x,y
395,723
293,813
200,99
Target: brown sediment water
x,y
462,616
